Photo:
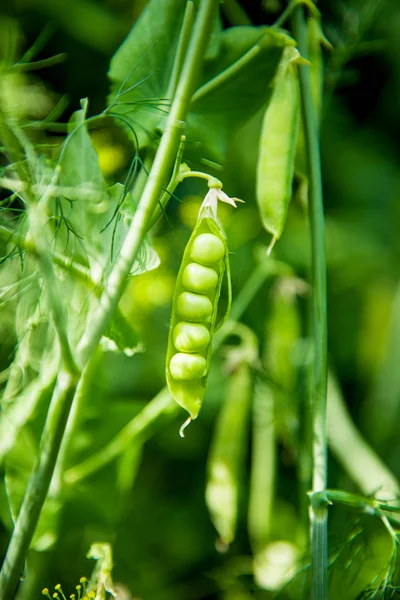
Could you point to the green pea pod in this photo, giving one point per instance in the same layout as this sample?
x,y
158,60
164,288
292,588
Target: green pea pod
x,y
274,408
227,456
195,304
263,467
275,168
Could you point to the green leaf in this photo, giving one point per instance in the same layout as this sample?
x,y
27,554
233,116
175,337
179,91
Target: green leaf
x,y
78,160
102,215
240,64
141,68
120,335
14,416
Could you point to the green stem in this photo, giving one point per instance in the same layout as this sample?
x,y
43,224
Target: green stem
x,y
38,484
229,73
162,167
138,428
319,542
183,42
235,14
291,7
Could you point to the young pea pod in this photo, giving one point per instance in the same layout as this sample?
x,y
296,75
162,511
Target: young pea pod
x,y
275,168
263,467
195,304
274,408
227,456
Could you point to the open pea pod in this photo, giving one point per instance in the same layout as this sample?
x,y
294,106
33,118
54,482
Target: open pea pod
x,y
195,306
275,168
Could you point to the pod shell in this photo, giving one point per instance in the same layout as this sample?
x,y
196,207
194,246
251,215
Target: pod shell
x,y
277,150
189,394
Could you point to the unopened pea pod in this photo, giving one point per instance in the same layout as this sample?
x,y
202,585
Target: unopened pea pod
x,y
226,461
195,304
275,168
262,475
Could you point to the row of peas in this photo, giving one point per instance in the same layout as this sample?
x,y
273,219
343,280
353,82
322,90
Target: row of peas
x,y
191,337
195,305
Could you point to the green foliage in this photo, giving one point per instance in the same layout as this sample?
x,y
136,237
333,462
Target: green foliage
x,y
125,485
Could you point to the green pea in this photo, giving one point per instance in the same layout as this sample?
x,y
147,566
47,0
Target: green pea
x,y
185,367
198,278
275,168
207,249
194,307
190,337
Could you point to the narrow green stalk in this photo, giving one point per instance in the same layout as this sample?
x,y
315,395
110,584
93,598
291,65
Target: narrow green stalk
x,y
38,484
229,73
235,14
319,518
162,167
183,42
138,428
291,7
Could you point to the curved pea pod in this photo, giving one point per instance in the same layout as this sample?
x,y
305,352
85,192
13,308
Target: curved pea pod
x,y
226,461
195,307
275,168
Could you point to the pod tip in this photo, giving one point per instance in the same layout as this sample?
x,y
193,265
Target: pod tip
x,y
183,427
272,244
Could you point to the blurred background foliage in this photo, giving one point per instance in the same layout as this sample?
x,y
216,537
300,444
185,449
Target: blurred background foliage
x,y
150,502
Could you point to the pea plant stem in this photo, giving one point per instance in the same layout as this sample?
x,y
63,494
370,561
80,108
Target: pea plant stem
x,y
318,511
52,436
38,484
162,166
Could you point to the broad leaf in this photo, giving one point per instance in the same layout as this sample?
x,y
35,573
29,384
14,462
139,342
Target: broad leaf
x,y
141,68
235,81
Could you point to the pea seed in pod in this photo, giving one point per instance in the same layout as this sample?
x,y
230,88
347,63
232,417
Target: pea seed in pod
x,y
186,367
194,307
190,337
207,249
198,278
